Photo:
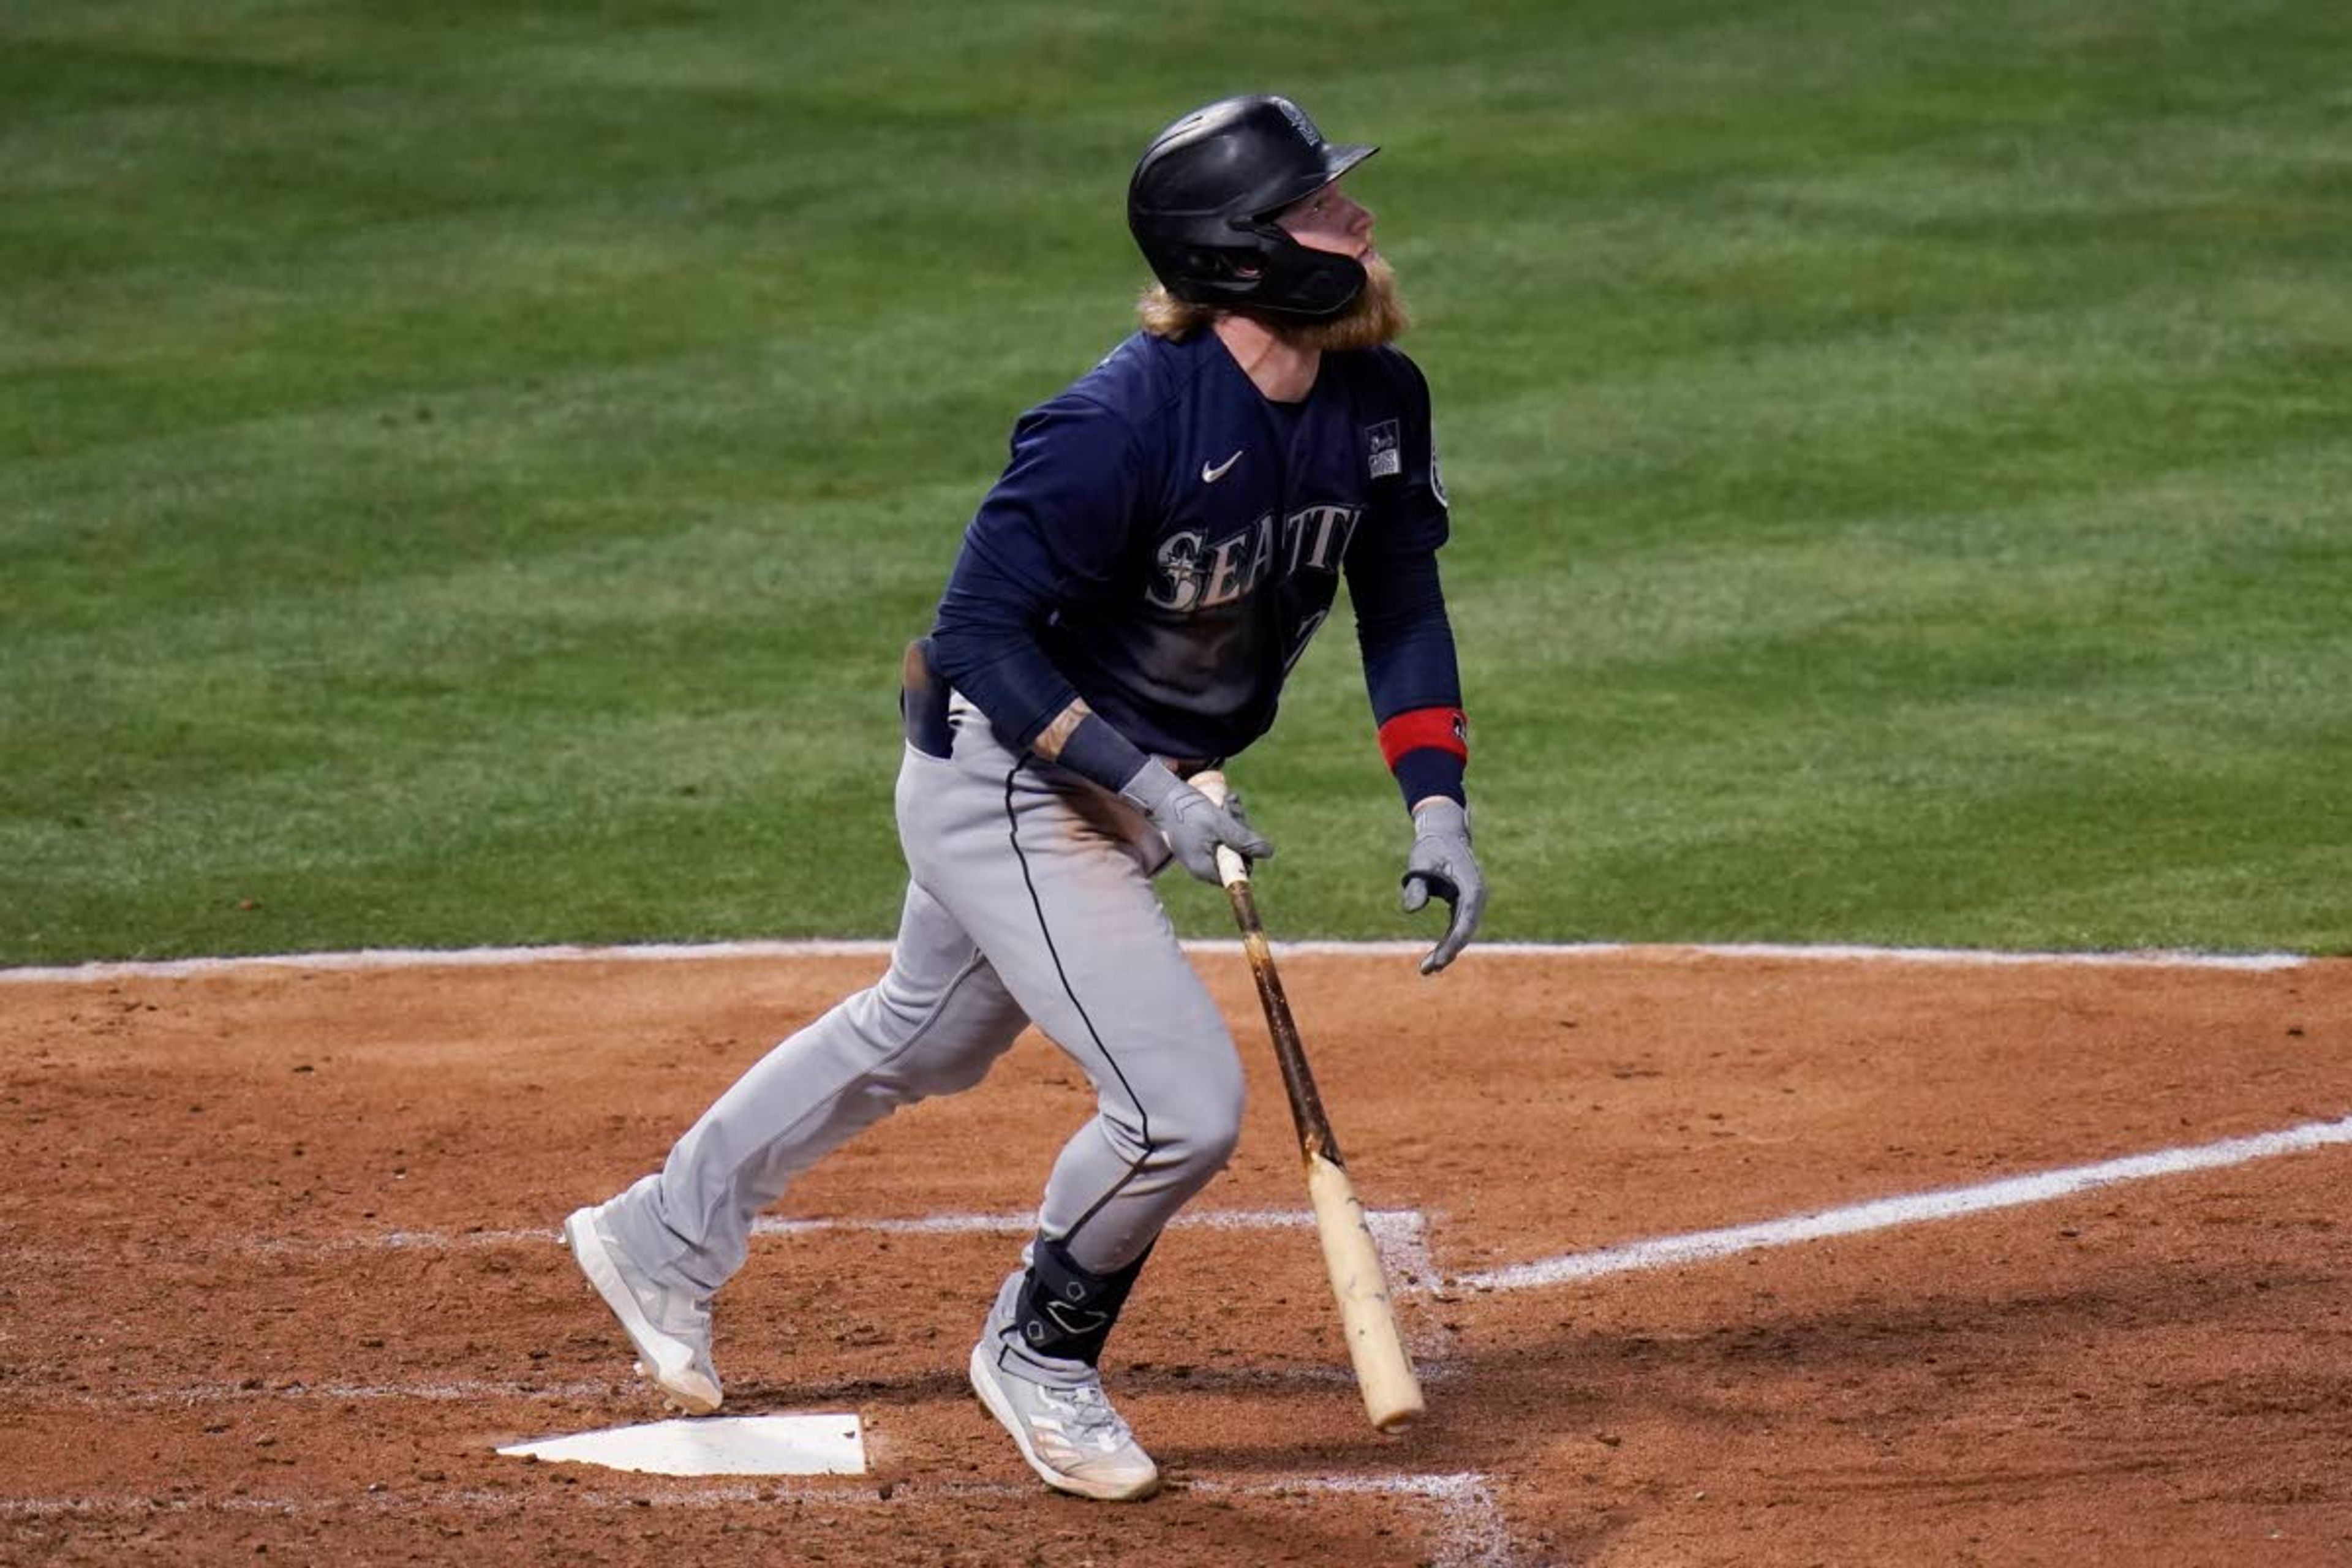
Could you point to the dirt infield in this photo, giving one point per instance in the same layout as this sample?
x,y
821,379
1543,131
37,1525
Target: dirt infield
x,y
281,1273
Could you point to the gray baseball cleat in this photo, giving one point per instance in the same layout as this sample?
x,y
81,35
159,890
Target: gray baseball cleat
x,y
670,1327
1058,1415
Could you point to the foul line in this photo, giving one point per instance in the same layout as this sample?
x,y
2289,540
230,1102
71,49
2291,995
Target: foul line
x,y
1945,1203
371,959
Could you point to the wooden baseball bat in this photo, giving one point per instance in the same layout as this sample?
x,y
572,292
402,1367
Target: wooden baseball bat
x,y
1383,1372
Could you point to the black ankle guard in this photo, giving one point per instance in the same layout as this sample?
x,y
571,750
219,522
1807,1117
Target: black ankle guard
x,y
1066,1313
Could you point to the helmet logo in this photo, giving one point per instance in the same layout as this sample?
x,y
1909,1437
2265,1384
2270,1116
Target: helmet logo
x,y
1300,123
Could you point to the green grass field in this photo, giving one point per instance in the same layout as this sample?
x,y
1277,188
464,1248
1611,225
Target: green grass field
x,y
467,472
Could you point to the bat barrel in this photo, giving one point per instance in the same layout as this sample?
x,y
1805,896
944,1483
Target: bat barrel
x,y
1384,1374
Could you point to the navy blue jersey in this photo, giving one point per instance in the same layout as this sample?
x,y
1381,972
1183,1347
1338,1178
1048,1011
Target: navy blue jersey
x,y
1165,541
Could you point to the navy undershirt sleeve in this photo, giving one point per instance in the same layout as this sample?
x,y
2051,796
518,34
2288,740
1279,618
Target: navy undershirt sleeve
x,y
1407,643
1047,536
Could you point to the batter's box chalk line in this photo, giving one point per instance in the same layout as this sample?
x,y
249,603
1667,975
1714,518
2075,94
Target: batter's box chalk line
x,y
1945,1203
1401,1235
1470,1531
1433,1370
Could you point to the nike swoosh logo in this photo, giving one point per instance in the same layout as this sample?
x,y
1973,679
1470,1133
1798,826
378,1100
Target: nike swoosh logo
x,y
1209,475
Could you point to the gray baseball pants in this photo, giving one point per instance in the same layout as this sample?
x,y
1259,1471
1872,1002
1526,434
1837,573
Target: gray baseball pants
x,y
1029,899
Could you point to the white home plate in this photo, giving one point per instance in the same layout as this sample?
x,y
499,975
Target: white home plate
x,y
717,1446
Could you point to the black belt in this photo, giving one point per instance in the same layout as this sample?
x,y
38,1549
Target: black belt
x,y
923,702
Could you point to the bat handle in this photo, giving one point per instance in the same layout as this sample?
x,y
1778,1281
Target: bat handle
x,y
1232,869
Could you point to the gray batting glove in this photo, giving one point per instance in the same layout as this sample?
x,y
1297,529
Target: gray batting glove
x,y
1192,824
1442,863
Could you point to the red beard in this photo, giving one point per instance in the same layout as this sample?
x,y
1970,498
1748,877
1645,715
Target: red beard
x,y
1376,316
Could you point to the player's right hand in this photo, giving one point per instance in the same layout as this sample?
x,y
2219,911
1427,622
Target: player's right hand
x,y
1192,824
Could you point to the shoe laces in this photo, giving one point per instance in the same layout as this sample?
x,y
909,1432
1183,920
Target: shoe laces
x,y
1089,1418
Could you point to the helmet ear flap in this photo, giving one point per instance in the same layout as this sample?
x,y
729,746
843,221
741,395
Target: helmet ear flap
x,y
1207,275
1298,280
1215,264
1280,275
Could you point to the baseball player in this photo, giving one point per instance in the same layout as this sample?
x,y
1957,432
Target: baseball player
x,y
1170,533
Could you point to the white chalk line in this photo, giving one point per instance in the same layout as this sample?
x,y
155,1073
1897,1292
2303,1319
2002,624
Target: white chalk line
x,y
196,1395
1471,1530
1473,1533
1945,1203
1152,1377
1401,1235
371,959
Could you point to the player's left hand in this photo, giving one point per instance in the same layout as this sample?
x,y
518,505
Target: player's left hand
x,y
1442,863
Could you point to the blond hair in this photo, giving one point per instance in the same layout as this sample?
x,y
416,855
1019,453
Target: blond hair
x,y
1164,315
1378,315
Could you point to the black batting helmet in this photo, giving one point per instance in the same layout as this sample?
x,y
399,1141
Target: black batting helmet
x,y
1202,201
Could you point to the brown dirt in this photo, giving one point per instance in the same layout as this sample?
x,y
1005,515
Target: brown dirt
x,y
260,1302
